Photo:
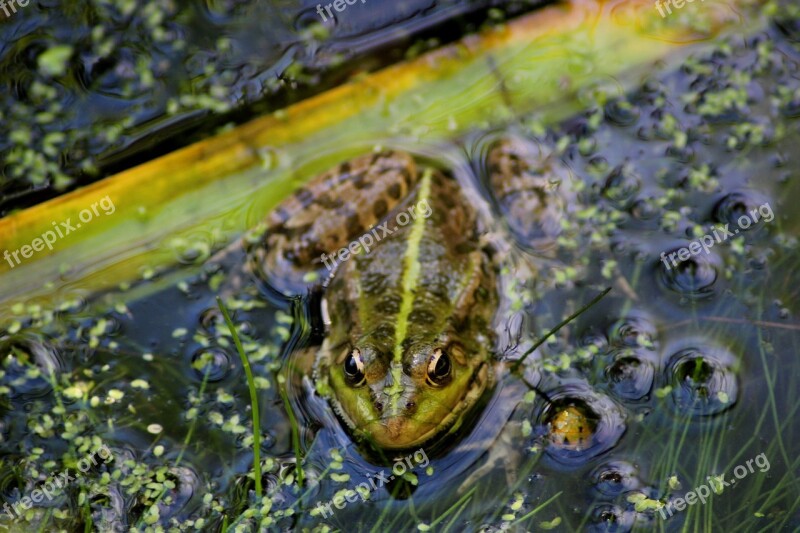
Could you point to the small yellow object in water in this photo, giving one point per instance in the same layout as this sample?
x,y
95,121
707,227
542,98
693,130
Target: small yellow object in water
x,y
571,429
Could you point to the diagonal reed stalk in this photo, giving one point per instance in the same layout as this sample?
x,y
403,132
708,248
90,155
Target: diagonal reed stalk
x,y
253,397
563,323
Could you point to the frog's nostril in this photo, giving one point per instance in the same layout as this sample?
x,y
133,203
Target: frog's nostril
x,y
379,406
410,405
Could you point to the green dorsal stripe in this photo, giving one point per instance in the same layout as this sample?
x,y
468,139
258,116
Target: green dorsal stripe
x,y
411,269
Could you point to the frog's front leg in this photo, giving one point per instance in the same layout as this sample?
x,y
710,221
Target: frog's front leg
x,y
330,218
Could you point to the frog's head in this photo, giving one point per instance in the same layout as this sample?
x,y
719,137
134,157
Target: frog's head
x,y
403,402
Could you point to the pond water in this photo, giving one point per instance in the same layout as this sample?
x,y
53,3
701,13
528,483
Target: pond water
x,y
684,376
96,86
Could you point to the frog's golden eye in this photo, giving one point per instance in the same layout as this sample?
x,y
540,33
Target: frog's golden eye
x,y
354,368
438,368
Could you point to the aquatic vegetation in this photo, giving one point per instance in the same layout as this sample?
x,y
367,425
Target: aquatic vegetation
x,y
253,397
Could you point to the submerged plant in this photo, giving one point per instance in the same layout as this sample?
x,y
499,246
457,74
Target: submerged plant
x,y
253,396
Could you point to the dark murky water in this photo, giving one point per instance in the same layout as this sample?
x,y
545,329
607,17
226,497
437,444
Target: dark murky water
x,y
683,372
92,87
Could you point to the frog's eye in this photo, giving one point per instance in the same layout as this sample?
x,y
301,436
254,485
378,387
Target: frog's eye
x,y
354,367
438,368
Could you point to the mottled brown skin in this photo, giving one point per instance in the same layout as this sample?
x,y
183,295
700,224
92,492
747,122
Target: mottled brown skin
x,y
329,212
409,336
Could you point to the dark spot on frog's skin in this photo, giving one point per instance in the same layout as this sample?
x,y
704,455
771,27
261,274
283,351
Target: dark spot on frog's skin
x,y
327,202
438,291
380,209
516,165
373,282
315,252
407,343
482,295
407,178
304,196
421,316
384,331
345,168
378,156
360,181
395,191
291,256
280,216
389,305
333,242
294,233
464,248
354,226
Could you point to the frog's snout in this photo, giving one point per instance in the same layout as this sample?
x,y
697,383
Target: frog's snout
x,y
398,432
395,427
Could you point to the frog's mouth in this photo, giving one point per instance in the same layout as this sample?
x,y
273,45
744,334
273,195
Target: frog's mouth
x,y
401,432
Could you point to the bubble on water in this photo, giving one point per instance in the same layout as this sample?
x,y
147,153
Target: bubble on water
x,y
28,363
108,510
108,326
12,483
621,184
635,330
185,485
270,482
614,478
277,476
211,319
594,337
630,374
693,278
191,252
579,424
621,112
645,208
267,441
611,518
742,203
215,362
789,26
702,379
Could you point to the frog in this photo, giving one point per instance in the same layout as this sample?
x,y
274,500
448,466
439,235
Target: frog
x,y
411,314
